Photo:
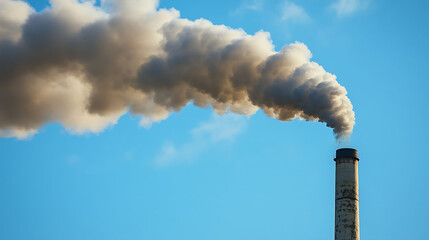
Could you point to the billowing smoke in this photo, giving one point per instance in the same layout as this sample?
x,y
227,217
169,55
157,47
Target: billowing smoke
x,y
84,66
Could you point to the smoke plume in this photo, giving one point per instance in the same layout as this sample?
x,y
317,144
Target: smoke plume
x,y
84,66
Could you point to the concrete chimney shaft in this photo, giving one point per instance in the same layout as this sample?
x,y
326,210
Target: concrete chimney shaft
x,y
346,195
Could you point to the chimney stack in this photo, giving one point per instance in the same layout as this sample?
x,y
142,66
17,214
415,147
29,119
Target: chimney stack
x,y
346,195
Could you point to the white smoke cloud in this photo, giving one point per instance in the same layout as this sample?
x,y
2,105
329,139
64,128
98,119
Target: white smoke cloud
x,y
13,15
85,66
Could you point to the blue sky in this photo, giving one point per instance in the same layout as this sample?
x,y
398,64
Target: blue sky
x,y
196,175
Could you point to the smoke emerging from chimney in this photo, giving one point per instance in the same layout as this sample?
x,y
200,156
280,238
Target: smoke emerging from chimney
x,y
84,66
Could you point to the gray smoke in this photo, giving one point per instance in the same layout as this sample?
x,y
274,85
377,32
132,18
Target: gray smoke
x,y
85,66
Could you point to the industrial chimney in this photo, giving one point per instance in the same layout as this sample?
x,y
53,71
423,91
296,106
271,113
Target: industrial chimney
x,y
346,195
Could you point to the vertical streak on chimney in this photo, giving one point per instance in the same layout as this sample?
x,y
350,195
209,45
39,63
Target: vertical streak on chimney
x,y
346,195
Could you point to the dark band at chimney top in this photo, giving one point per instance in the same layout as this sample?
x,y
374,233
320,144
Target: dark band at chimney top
x,y
347,153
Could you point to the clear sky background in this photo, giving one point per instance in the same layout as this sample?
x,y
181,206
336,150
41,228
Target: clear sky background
x,y
200,176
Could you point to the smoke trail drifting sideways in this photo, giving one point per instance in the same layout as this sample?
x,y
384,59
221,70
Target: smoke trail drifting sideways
x,y
85,66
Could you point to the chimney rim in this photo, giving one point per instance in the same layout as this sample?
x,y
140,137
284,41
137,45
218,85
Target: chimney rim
x,y
346,153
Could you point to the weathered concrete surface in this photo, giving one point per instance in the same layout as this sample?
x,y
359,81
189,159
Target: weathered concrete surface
x,y
346,199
